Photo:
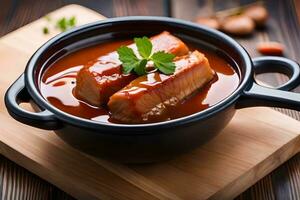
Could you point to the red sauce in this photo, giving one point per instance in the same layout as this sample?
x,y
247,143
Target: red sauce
x,y
59,80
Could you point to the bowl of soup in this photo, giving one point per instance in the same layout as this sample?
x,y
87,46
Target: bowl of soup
x,y
78,83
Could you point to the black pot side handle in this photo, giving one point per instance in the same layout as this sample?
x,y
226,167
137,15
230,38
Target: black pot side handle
x,y
16,94
257,95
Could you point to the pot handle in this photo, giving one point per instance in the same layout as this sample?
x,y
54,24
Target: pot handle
x,y
257,95
17,94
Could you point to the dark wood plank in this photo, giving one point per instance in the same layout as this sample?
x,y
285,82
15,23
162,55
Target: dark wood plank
x,y
18,183
297,8
17,13
283,183
284,20
15,181
137,7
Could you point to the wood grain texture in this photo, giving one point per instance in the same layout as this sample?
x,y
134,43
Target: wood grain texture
x,y
17,184
137,7
218,170
281,183
283,26
297,8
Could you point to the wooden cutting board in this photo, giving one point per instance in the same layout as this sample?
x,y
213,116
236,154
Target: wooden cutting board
x,y
255,142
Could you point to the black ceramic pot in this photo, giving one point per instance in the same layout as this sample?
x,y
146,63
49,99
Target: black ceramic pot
x,y
157,141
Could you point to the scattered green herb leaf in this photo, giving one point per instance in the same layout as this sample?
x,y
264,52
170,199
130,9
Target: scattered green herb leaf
x,y
62,24
162,61
72,21
46,30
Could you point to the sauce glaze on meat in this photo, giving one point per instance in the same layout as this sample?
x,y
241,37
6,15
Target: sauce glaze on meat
x,y
59,80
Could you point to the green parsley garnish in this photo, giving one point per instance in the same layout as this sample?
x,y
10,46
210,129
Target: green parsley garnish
x,y
162,61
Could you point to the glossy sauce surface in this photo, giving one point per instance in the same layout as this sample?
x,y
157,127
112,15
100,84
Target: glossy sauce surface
x,y
59,80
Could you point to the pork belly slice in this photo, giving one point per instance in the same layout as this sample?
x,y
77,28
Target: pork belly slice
x,y
148,97
98,81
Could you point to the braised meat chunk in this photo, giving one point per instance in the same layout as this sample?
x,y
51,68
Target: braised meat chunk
x,y
98,81
151,94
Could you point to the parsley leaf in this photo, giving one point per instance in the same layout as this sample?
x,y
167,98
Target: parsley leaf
x,y
141,68
126,54
128,59
130,62
144,46
163,62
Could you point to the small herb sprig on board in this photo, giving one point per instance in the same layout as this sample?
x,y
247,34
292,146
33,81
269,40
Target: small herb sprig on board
x,y
61,24
64,23
162,61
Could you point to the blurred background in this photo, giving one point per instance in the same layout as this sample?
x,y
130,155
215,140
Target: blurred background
x,y
281,25
17,13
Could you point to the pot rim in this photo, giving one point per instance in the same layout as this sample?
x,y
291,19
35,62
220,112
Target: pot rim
x,y
90,124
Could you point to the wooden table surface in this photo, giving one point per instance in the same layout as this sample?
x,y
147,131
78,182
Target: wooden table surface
x,y
283,183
